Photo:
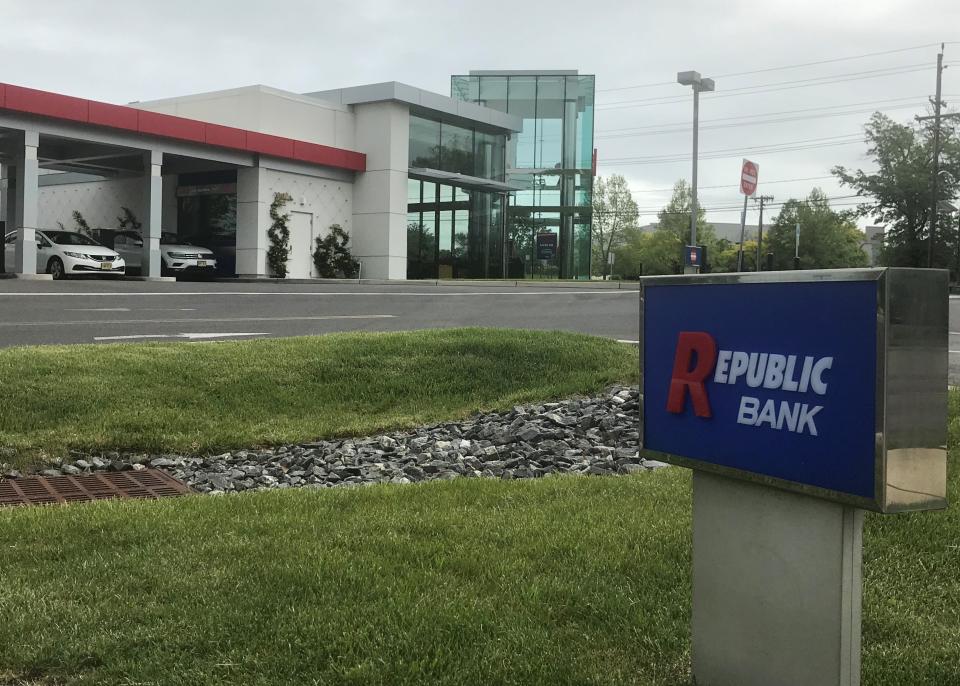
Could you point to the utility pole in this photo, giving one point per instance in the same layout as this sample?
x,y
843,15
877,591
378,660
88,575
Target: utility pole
x,y
934,201
762,199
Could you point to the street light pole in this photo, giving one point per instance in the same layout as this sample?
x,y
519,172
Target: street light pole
x,y
936,159
694,80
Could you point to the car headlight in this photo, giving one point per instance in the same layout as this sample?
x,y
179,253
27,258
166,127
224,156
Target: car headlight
x,y
74,254
178,255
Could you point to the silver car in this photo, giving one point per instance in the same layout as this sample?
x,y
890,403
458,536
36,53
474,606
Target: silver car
x,y
176,257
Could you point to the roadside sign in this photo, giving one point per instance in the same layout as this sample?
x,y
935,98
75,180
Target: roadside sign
x,y
826,397
749,175
692,255
546,246
818,391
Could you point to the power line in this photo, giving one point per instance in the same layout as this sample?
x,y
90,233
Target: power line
x,y
760,122
781,68
686,123
730,186
826,141
765,88
720,208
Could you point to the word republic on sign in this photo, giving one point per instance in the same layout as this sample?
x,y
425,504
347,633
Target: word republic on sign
x,y
810,381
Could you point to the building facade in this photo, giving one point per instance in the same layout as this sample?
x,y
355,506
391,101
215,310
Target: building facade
x,y
423,183
549,162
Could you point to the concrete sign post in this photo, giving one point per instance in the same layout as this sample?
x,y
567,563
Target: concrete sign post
x,y
829,399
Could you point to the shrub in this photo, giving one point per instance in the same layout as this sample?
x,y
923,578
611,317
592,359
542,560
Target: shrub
x,y
332,257
279,234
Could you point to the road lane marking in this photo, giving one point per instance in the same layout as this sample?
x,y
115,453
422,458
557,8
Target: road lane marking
x,y
198,321
419,294
97,309
177,335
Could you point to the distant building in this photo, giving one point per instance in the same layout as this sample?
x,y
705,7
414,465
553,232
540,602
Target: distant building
x,y
874,242
729,231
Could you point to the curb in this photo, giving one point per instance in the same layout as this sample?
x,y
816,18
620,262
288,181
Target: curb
x,y
598,285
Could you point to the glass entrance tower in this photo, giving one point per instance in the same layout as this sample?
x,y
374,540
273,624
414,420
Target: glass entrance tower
x,y
550,160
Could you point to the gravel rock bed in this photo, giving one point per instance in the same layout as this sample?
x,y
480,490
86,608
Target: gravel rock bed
x,y
591,436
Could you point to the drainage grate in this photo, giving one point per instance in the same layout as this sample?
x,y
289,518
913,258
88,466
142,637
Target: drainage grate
x,y
44,490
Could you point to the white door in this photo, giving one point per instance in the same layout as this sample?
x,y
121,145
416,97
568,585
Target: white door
x,y
300,263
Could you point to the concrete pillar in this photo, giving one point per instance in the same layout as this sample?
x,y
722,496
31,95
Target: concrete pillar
x,y
776,586
253,220
152,213
8,189
27,199
379,236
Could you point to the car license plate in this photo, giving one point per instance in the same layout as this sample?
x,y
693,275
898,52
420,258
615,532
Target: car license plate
x,y
201,263
105,265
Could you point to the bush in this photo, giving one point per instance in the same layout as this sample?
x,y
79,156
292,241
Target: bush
x,y
279,234
332,257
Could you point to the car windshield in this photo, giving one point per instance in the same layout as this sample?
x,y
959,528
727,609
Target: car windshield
x,y
69,238
172,239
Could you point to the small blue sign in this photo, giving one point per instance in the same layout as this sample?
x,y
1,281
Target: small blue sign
x,y
776,379
693,255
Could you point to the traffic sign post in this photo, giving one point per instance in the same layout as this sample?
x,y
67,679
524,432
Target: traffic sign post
x,y
749,177
828,400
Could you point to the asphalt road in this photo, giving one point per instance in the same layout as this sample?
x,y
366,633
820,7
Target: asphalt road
x,y
37,312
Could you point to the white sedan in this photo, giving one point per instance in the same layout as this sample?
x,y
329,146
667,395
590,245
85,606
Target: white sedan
x,y
67,253
176,257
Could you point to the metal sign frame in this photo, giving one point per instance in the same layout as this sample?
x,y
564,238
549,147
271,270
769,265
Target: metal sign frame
x,y
910,461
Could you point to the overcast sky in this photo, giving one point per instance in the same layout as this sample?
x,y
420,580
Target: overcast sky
x,y
142,50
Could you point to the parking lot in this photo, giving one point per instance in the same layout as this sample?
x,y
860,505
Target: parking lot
x,y
102,311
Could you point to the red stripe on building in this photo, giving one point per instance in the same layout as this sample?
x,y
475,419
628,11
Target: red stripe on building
x,y
121,117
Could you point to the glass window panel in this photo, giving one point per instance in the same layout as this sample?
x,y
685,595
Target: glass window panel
x,y
494,266
446,193
584,129
445,244
523,103
463,250
549,126
493,92
456,149
488,155
581,250
413,191
424,143
464,88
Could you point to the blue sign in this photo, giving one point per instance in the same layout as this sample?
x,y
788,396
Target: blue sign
x,y
769,379
693,255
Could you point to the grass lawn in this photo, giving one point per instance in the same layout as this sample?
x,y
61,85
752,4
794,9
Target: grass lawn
x,y
207,397
555,581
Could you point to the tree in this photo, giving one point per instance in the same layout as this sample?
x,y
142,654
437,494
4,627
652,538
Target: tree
x,y
724,258
828,239
664,252
900,191
614,211
128,220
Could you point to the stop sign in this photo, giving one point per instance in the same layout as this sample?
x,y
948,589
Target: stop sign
x,y
748,177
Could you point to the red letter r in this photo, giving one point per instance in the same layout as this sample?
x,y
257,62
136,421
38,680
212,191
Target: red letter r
x,y
688,343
